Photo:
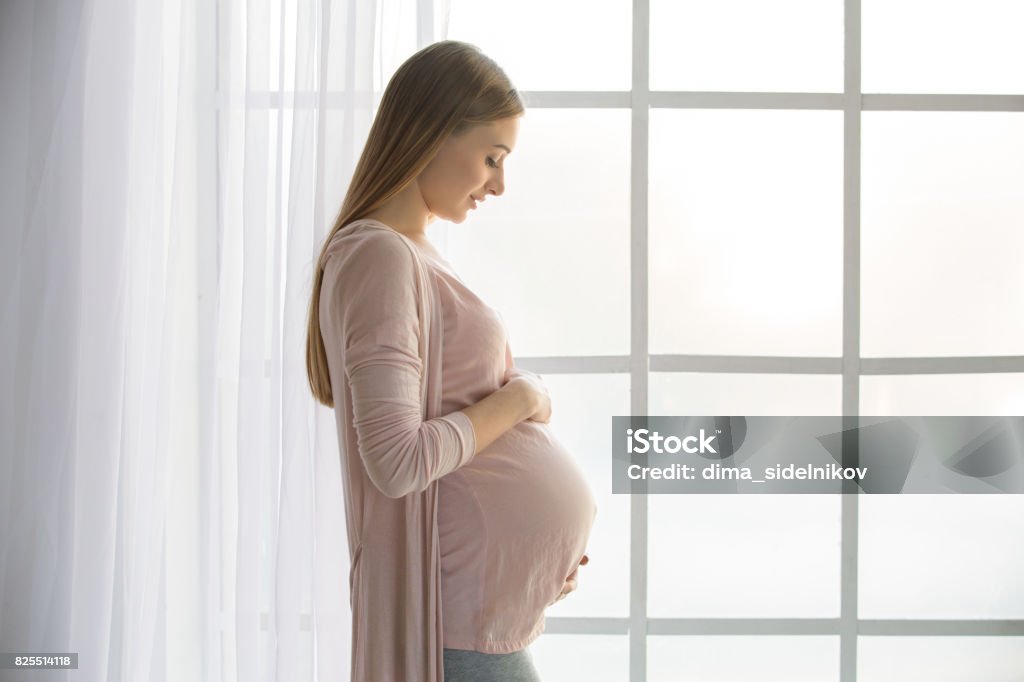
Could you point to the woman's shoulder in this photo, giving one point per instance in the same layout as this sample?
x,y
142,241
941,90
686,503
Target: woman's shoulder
x,y
371,245
365,230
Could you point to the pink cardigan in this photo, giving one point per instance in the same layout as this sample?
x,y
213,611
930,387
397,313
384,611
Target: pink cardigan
x,y
381,328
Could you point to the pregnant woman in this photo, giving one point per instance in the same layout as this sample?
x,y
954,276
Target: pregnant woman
x,y
466,517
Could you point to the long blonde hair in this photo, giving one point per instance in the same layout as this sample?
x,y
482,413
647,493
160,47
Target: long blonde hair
x,y
445,89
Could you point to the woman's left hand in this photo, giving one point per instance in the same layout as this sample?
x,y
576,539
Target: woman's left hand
x,y
572,582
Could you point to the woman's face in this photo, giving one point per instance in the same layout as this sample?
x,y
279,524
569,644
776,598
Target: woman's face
x,y
468,166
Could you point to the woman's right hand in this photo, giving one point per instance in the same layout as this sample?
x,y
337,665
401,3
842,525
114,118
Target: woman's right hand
x,y
533,387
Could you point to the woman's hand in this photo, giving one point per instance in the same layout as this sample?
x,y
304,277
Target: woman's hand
x,y
533,385
572,582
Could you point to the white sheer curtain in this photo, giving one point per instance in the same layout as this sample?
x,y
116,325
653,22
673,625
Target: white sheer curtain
x,y
170,496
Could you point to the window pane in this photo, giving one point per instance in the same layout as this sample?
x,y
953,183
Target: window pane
x,y
744,556
939,659
943,394
735,658
551,254
923,46
595,658
941,556
698,393
774,555
582,406
564,45
747,45
746,229
942,234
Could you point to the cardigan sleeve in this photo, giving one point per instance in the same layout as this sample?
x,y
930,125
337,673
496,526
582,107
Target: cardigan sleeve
x,y
375,304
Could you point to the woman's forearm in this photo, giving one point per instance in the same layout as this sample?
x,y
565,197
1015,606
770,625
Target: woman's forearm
x,y
499,412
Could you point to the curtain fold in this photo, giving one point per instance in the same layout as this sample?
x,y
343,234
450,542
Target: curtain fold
x,y
170,494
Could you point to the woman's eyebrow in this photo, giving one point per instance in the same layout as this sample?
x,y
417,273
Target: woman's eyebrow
x,y
504,147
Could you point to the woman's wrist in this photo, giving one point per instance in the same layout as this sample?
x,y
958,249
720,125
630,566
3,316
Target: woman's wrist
x,y
524,398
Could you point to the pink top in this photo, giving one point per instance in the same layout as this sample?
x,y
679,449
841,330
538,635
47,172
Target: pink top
x,y
383,329
514,521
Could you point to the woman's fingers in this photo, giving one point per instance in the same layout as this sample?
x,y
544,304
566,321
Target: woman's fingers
x,y
518,371
573,581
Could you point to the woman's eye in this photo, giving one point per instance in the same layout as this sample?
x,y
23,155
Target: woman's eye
x,y
491,162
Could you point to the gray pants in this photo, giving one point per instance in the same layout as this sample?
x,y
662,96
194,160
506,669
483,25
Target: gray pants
x,y
475,666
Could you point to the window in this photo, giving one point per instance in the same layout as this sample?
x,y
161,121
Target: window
x,y
794,207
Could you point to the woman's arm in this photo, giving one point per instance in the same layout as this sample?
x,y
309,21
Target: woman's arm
x,y
369,315
500,411
522,396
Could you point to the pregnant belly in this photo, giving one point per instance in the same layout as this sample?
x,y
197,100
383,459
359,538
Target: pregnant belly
x,y
516,518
